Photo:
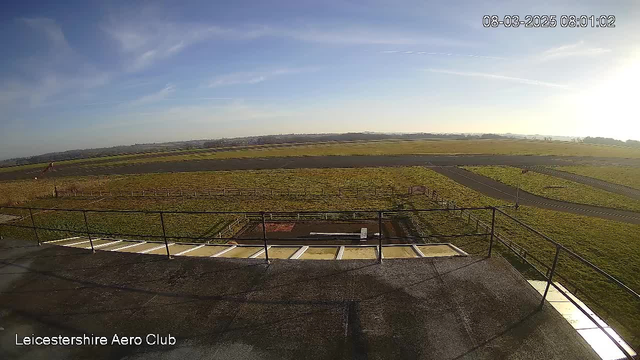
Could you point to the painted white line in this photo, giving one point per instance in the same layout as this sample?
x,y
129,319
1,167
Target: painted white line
x,y
299,253
224,251
153,249
188,250
259,253
378,251
103,245
77,243
340,253
460,251
415,248
128,246
55,241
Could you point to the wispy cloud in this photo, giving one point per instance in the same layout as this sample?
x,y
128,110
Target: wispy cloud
x,y
414,52
571,50
145,40
154,97
364,36
255,77
500,77
60,72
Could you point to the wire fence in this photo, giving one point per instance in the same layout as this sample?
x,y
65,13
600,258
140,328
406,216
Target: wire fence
x,y
253,192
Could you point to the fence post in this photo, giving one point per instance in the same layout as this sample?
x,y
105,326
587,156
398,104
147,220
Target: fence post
x,y
493,226
33,224
164,235
264,237
380,236
550,279
86,226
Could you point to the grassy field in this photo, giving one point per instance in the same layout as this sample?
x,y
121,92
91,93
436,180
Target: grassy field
x,y
623,175
390,147
611,245
556,188
415,147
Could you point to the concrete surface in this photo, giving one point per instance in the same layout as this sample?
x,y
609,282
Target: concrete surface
x,y
430,308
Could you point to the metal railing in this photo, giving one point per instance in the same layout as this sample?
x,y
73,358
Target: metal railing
x,y
378,215
552,271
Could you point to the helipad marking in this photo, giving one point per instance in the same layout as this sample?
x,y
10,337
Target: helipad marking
x,y
128,246
55,241
155,248
415,248
224,251
462,252
188,250
299,253
105,244
78,243
259,253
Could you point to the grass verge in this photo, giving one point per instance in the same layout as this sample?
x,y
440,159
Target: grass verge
x,y
556,188
622,175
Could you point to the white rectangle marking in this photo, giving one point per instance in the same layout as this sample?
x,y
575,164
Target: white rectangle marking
x,y
224,251
188,250
155,248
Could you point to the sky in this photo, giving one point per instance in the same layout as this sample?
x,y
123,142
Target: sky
x,y
86,74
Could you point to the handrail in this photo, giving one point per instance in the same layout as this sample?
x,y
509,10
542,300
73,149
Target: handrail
x,y
379,213
576,256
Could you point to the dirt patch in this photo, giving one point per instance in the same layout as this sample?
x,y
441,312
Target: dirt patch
x,y
320,253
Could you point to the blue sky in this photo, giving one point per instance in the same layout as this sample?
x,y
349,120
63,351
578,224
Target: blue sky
x,y
86,74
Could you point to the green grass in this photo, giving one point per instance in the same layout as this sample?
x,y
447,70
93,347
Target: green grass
x,y
386,147
448,147
623,175
613,246
556,188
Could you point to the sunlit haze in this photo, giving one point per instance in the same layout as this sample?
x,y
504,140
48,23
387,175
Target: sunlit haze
x,y
83,74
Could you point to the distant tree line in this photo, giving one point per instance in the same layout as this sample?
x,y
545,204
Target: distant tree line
x,y
610,141
316,138
242,141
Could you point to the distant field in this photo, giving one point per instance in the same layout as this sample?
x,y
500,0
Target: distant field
x,y
413,147
623,175
614,246
556,188
388,147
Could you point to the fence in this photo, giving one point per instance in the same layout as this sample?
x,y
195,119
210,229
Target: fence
x,y
263,192
550,272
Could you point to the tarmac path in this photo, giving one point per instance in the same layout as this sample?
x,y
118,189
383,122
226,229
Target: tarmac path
x,y
314,162
498,190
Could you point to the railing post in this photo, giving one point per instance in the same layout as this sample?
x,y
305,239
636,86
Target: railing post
x,y
264,237
86,226
164,235
550,279
380,236
493,227
33,225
